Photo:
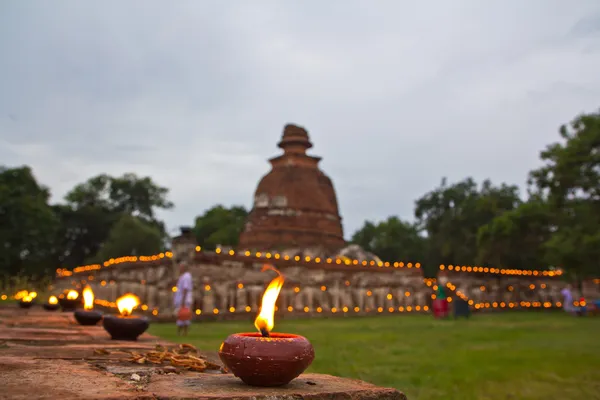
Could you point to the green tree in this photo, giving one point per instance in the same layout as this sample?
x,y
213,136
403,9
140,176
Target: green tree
x,y
392,240
516,238
95,206
131,236
452,214
570,182
28,225
220,225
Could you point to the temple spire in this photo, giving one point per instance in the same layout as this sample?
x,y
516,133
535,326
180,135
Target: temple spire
x,y
294,140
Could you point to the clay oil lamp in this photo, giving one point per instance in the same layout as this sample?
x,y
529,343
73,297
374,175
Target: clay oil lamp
x,y
88,316
52,304
266,358
70,301
125,326
27,300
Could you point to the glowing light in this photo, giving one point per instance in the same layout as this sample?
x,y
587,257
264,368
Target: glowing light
x,y
88,298
265,321
52,300
127,303
72,295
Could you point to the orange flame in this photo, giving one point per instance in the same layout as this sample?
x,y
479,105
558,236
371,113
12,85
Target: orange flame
x,y
72,295
88,298
21,294
265,321
52,300
127,303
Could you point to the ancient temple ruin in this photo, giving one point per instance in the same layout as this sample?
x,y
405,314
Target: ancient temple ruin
x,y
295,205
295,225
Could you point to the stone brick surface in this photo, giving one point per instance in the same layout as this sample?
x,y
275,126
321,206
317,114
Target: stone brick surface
x,y
47,356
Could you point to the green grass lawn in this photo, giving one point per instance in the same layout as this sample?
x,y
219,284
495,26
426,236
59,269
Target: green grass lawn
x,y
519,356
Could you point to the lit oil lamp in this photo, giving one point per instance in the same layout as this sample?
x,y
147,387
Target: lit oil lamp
x,y
26,301
125,326
52,304
267,358
70,301
88,316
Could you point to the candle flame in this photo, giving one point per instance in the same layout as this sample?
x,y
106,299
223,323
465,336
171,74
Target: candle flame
x,y
265,321
52,300
127,303
72,295
88,298
27,299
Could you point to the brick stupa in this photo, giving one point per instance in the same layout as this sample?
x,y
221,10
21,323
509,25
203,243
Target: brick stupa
x,y
295,204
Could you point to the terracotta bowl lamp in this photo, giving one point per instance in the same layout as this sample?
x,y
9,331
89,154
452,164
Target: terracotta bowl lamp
x,y
266,358
125,326
266,361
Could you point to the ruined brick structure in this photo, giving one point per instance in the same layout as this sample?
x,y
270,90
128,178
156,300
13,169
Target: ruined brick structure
x,y
295,204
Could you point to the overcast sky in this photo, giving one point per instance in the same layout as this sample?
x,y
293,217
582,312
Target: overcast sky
x,y
395,94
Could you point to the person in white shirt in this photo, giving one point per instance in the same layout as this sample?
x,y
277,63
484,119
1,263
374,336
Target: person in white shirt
x,y
183,299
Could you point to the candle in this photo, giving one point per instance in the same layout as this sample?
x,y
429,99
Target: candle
x,y
88,316
267,358
125,326
52,304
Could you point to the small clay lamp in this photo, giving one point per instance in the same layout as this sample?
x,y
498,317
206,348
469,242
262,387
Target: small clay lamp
x,y
266,358
52,304
70,301
88,316
27,300
125,326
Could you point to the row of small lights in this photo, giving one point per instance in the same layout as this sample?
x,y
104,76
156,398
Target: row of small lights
x,y
307,259
63,272
500,271
502,304
316,260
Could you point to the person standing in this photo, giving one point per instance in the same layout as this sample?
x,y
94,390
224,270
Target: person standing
x,y
183,299
567,294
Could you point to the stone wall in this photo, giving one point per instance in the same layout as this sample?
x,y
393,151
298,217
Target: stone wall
x,y
231,285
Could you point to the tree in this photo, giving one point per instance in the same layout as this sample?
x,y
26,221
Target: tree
x,y
516,238
220,226
570,182
131,236
451,216
95,206
28,224
392,240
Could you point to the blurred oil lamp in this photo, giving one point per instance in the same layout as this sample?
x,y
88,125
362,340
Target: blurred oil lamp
x,y
88,316
69,300
125,326
267,358
26,301
52,304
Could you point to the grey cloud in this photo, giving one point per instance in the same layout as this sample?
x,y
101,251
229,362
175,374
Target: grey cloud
x,y
395,95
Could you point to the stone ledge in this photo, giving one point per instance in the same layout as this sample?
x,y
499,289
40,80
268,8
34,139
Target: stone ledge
x,y
47,356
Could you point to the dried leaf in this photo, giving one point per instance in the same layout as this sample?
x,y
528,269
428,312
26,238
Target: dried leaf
x,y
101,352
